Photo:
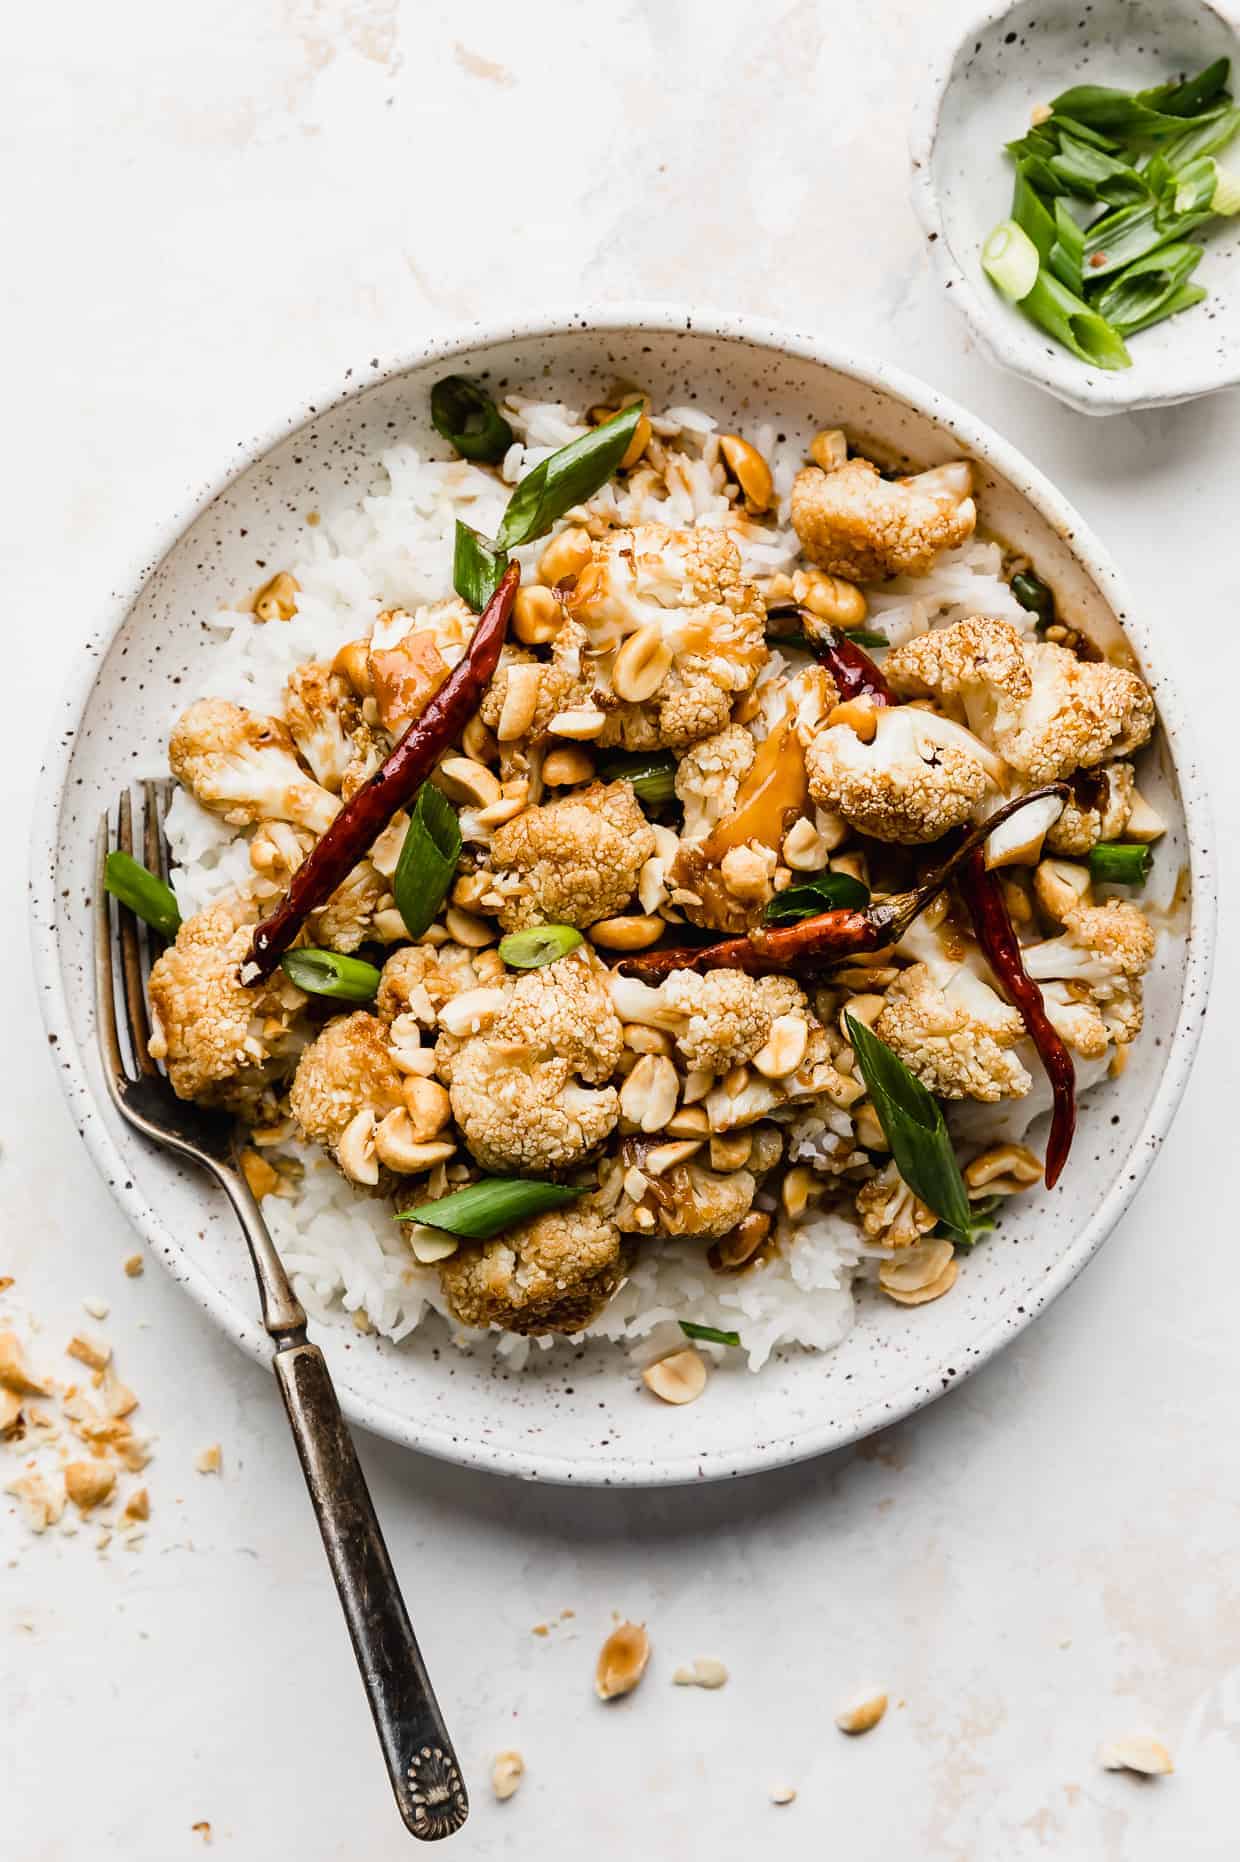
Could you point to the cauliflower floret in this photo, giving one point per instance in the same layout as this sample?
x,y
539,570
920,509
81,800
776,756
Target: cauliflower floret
x,y
685,591
957,1037
689,1199
727,1014
1071,1011
347,1070
244,768
516,1089
418,979
976,671
563,683
920,775
1108,948
221,1042
854,523
1099,810
708,777
577,859
552,1274
369,753
1063,714
348,918
322,712
890,1213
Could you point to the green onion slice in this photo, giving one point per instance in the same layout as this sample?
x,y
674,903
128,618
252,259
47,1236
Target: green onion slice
x,y
1070,320
1130,233
914,1128
529,950
482,1209
1068,252
566,479
981,1221
653,777
1032,593
477,567
1136,296
328,973
143,892
1190,97
1010,260
710,1333
818,892
467,416
428,857
1030,213
1205,138
1206,184
1095,175
1120,863
1183,299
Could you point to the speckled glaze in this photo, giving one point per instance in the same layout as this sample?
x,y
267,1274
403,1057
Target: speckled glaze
x,y
580,1415
979,96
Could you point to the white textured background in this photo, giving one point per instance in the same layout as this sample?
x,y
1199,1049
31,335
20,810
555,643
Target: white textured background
x,y
210,208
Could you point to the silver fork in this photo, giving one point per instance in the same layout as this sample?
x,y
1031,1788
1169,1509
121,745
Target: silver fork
x,y
421,1763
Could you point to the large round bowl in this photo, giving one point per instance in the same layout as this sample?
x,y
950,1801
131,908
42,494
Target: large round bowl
x,y
581,1415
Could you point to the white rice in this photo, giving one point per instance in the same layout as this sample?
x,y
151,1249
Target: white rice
x,y
393,548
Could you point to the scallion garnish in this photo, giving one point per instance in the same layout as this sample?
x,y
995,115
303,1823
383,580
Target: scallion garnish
x,y
981,1222
1010,260
1120,863
1138,296
817,892
428,857
143,892
476,567
1032,593
530,950
914,1128
1067,253
482,1209
1070,320
467,416
328,973
653,777
709,1333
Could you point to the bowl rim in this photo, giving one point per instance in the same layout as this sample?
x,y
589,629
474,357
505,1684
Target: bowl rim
x,y
836,1431
1098,392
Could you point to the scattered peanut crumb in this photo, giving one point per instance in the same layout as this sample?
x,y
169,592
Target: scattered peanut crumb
x,y
210,1459
680,1378
863,1715
87,1483
133,1265
97,1308
784,1794
14,1374
92,1352
42,1503
541,1629
137,1505
202,1829
565,1615
622,1661
104,1540
1138,1752
506,1774
6,1281
704,1672
10,1411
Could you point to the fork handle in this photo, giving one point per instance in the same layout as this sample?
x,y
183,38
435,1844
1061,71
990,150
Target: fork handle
x,y
421,1763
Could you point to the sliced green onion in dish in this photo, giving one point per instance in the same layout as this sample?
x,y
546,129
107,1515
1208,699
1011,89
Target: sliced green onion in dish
x,y
477,567
1070,320
653,777
566,479
1138,296
1120,863
817,892
1032,593
1130,233
914,1128
328,973
1189,96
143,892
1198,139
530,950
981,1222
1093,174
482,1209
1183,299
1010,260
466,415
1031,214
709,1333
1206,186
427,862
1067,256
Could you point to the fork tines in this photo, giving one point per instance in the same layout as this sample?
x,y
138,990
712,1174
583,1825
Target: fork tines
x,y
125,948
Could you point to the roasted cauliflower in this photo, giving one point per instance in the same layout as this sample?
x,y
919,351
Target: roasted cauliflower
x,y
245,768
854,523
347,1070
552,1274
1107,948
917,777
221,1042
322,712
572,861
1099,809
956,1035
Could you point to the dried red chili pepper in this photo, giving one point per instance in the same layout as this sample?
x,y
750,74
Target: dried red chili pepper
x,y
366,814
982,892
854,672
831,937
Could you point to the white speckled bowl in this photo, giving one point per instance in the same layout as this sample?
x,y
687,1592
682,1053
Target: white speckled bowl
x,y
979,96
580,1415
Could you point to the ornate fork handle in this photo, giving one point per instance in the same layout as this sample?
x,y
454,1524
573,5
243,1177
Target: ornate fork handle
x,y
422,1765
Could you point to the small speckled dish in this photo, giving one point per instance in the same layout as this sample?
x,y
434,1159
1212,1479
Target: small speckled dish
x,y
979,96
581,1414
